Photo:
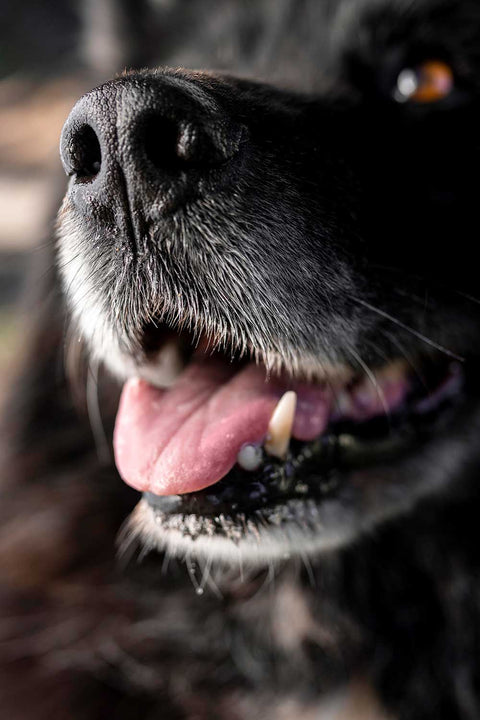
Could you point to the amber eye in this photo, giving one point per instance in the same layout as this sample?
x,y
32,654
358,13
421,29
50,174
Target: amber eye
x,y
431,81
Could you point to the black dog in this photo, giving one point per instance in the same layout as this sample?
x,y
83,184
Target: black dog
x,y
228,247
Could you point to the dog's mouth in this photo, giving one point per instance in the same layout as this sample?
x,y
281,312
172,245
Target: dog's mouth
x,y
226,441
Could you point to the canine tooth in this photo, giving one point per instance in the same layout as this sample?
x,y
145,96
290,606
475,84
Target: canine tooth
x,y
280,425
250,457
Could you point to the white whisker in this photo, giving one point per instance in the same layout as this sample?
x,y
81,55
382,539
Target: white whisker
x,y
416,333
95,417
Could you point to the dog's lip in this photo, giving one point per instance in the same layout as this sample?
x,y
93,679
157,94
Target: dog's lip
x,y
196,454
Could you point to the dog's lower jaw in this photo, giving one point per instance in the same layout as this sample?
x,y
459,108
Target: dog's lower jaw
x,y
249,543
298,528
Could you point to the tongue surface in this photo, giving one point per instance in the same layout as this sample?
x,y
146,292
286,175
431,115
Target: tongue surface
x,y
188,437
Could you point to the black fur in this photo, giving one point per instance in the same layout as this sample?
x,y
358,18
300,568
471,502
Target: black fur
x,y
344,225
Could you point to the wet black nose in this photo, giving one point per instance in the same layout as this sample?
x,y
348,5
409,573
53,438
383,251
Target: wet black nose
x,y
152,141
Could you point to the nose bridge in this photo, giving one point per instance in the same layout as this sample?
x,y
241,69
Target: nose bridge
x,y
162,124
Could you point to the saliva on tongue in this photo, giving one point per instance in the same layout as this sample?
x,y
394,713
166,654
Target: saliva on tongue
x,y
189,436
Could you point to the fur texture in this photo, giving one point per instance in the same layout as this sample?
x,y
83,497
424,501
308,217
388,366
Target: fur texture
x,y
344,229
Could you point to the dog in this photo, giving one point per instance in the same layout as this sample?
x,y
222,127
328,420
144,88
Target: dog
x,y
265,283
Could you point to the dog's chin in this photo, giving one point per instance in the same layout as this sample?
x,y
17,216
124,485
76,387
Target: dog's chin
x,y
368,464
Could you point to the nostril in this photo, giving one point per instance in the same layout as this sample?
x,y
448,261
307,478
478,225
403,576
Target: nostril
x,y
85,153
161,143
173,144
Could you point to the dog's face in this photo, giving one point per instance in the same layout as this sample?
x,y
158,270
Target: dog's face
x,y
224,242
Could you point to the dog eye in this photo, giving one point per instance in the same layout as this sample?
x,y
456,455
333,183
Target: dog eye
x,y
428,82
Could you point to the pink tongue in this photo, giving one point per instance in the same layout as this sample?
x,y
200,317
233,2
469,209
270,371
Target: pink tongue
x,y
188,437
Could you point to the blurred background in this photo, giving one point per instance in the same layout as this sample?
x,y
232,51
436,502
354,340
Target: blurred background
x,y
37,81
50,53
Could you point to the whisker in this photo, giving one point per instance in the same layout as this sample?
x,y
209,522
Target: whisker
x,y
406,355
467,296
207,578
413,332
166,561
371,376
308,567
94,415
192,570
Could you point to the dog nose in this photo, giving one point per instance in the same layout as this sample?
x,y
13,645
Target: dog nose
x,y
154,141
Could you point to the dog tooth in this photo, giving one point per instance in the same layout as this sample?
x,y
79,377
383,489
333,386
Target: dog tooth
x,y
342,404
280,425
166,366
394,371
250,457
